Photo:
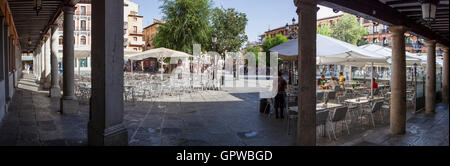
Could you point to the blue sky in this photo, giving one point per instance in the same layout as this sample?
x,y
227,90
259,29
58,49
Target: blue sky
x,y
261,14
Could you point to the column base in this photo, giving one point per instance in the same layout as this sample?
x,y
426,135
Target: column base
x,y
55,92
429,112
69,106
113,136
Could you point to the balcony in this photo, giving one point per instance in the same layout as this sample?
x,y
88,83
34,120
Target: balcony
x,y
137,43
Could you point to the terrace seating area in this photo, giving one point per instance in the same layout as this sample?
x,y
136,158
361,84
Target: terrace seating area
x,y
146,86
351,107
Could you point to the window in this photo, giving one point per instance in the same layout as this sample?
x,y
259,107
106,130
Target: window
x,y
61,40
83,25
83,10
375,29
408,40
135,49
83,40
134,29
135,19
135,38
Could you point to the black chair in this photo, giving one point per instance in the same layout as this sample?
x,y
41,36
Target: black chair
x,y
321,120
339,115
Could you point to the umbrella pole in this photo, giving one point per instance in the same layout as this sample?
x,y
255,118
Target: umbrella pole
x,y
132,66
371,80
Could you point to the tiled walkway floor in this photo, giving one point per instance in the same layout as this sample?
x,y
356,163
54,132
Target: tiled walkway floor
x,y
203,118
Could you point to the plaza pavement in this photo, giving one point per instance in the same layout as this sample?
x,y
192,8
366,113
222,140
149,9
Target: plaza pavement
x,y
229,117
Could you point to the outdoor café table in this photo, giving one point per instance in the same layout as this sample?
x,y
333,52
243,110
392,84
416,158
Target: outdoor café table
x,y
319,107
324,90
408,91
362,100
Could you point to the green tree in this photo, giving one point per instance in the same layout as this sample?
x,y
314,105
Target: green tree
x,y
187,23
324,29
270,42
254,50
348,29
229,25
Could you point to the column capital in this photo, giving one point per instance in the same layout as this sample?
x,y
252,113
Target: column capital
x,y
46,36
305,4
69,9
445,49
398,29
53,27
300,3
430,42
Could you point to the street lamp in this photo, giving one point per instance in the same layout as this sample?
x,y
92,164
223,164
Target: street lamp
x,y
214,38
291,30
214,41
429,9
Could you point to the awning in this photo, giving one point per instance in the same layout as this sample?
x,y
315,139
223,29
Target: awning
x,y
158,53
331,51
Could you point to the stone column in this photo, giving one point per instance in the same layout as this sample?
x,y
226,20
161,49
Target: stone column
x,y
47,62
69,103
445,77
2,51
398,81
106,127
430,92
6,60
306,131
44,60
55,90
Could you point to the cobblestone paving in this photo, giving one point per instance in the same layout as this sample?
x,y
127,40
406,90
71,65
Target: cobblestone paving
x,y
228,118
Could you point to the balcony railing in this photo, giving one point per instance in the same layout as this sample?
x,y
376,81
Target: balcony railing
x,y
137,43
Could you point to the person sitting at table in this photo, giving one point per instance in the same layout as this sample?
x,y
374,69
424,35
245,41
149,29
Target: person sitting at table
x,y
320,80
332,83
341,79
279,98
375,84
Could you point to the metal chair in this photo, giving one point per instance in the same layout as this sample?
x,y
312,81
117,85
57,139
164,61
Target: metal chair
x,y
290,115
321,120
319,97
375,108
332,96
339,115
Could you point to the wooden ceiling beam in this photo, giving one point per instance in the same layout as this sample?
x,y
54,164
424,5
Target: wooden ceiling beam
x,y
384,14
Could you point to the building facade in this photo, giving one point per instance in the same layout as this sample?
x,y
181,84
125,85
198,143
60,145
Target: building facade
x,y
133,27
150,32
133,37
377,34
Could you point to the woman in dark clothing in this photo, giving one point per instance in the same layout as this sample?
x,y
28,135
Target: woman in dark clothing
x,y
279,98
